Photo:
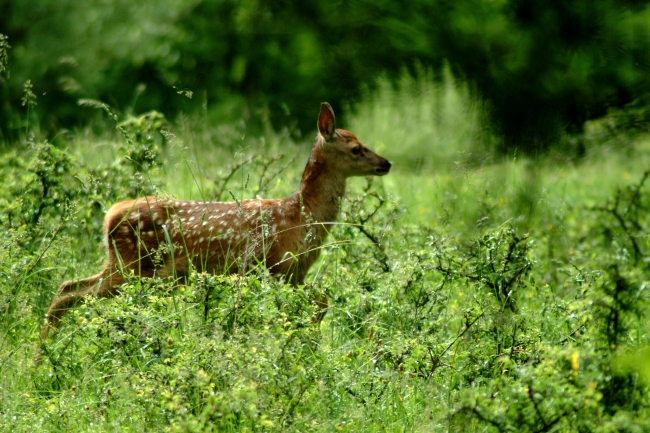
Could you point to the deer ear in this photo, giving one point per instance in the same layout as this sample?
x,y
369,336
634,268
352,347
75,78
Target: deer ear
x,y
326,121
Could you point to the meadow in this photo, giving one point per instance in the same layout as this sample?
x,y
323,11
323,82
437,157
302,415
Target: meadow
x,y
468,290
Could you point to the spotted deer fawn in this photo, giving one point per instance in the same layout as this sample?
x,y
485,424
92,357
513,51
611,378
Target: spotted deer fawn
x,y
153,236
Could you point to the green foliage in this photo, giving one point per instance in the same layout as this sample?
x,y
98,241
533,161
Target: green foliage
x,y
497,262
543,68
424,123
546,56
554,394
485,298
229,355
4,52
139,149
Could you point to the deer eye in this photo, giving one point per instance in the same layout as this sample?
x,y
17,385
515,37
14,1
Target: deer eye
x,y
356,150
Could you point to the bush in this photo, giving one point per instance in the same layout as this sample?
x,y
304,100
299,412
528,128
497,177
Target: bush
x,y
462,321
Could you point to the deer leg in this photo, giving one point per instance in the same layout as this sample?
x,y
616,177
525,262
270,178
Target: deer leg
x,y
73,292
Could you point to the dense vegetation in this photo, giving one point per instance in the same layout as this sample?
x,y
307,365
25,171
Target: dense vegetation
x,y
468,290
467,293
542,67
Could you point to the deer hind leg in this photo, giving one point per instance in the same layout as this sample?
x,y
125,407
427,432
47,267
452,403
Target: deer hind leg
x,y
73,292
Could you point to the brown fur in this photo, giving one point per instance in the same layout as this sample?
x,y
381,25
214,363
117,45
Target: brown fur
x,y
153,236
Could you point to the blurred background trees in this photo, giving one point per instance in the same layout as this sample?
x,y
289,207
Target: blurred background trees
x,y
542,67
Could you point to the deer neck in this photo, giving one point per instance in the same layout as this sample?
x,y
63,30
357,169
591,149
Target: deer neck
x,y
322,188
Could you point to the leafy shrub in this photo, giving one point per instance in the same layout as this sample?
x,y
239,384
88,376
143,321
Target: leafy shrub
x,y
501,327
222,352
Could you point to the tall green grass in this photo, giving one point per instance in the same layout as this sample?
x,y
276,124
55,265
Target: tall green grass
x,y
499,294
424,123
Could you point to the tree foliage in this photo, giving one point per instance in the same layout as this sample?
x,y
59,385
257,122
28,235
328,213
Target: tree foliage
x,y
543,67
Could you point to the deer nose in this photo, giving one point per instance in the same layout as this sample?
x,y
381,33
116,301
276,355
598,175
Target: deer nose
x,y
385,167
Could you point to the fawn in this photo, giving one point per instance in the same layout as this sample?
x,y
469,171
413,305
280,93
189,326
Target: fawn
x,y
153,236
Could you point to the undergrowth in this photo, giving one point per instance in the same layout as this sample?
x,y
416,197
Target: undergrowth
x,y
530,324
